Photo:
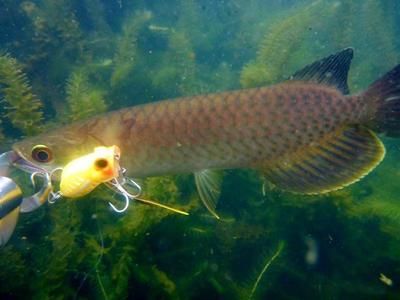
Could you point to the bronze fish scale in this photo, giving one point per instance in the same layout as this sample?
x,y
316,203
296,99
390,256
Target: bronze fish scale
x,y
241,129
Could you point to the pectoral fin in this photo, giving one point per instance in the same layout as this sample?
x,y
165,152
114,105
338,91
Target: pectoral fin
x,y
331,164
208,183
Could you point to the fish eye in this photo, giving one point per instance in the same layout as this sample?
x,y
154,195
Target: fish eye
x,y
101,163
41,153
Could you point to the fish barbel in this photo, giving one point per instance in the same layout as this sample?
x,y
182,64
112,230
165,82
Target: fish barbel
x,y
305,135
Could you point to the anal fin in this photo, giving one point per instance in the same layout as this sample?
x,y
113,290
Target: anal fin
x,y
208,183
336,161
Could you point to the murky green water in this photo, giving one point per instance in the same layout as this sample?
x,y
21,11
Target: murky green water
x,y
63,61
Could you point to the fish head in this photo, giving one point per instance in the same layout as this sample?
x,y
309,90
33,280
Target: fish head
x,y
52,150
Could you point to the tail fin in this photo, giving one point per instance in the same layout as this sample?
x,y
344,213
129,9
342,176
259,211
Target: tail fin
x,y
384,98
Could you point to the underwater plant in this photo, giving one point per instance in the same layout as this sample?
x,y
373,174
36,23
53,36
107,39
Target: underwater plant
x,y
82,250
23,108
179,67
96,11
83,99
126,55
51,28
265,268
63,260
277,46
303,32
378,19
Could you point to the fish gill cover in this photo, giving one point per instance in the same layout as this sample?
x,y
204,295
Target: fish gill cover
x,y
65,60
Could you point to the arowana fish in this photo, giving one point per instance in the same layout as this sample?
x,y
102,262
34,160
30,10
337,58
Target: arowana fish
x,y
306,134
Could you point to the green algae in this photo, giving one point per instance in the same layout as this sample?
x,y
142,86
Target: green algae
x,y
293,40
279,44
149,52
23,108
126,56
83,99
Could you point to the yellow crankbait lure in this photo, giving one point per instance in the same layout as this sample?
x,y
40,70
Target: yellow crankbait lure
x,y
82,175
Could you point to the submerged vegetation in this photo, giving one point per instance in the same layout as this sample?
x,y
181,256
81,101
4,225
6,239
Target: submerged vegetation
x,y
95,55
21,107
83,100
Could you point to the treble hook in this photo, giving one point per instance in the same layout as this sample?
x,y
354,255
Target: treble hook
x,y
32,178
119,188
123,209
54,171
54,196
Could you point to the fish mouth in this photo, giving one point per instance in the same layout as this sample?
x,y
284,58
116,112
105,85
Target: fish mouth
x,y
14,159
25,165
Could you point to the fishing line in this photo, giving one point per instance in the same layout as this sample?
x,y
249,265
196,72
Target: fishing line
x,y
98,261
100,255
281,245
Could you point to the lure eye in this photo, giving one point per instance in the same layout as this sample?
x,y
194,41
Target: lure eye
x,y
41,153
100,163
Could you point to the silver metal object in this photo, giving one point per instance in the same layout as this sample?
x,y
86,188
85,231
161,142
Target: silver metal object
x,y
40,197
10,196
12,159
6,161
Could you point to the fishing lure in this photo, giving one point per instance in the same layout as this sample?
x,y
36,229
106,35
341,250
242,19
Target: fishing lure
x,y
83,174
78,178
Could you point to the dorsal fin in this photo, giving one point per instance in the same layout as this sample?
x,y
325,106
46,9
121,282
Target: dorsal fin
x,y
331,70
